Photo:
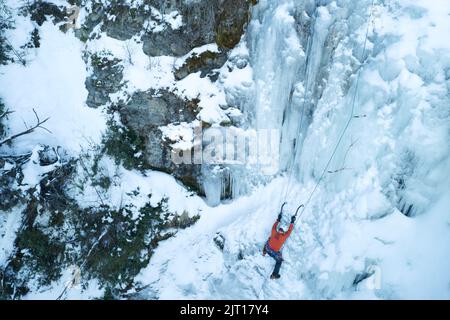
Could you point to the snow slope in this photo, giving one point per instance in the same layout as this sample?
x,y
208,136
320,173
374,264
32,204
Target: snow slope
x,y
53,84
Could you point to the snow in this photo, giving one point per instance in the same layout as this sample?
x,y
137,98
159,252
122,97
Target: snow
x,y
92,290
203,263
211,47
403,270
160,22
182,135
211,97
53,84
33,172
237,83
125,182
140,71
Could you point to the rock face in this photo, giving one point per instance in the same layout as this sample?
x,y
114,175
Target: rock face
x,y
205,62
145,113
204,21
231,18
127,22
106,79
166,28
220,21
156,108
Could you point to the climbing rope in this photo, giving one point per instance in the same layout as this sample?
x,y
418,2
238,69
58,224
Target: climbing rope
x,y
299,129
352,113
304,206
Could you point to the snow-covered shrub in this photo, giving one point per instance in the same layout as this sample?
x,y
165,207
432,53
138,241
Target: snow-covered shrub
x,y
125,146
41,11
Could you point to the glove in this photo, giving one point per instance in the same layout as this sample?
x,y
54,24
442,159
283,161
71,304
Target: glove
x,y
293,219
279,217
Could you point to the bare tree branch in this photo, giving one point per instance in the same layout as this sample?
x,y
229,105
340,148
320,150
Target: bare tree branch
x,y
89,177
129,54
38,125
6,113
41,122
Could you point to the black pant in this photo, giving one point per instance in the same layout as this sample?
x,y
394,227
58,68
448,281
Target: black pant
x,y
276,270
277,256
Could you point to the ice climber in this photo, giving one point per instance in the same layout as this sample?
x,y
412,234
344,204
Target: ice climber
x,y
273,246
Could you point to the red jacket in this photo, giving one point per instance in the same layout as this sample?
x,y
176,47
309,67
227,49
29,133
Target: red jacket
x,y
277,239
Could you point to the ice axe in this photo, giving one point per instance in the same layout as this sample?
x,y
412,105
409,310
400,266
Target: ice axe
x,y
282,206
296,211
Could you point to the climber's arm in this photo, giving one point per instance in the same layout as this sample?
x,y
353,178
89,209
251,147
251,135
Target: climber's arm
x,y
274,228
291,227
